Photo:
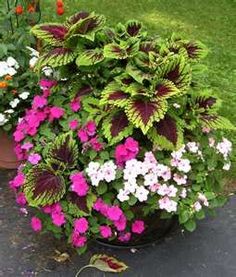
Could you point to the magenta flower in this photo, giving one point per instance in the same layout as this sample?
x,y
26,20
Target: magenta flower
x,y
138,226
20,199
114,213
95,144
105,231
47,84
126,151
27,146
18,136
81,225
132,145
79,184
39,102
78,240
124,237
56,113
36,224
120,224
90,128
58,218
73,124
82,134
75,104
34,158
18,181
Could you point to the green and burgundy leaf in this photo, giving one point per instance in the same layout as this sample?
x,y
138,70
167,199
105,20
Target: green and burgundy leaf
x,y
142,113
148,46
146,61
115,51
84,204
195,49
113,94
166,133
107,264
116,127
76,18
133,28
137,74
132,47
65,150
87,27
165,89
90,57
177,70
206,102
55,57
215,121
43,186
53,34
84,90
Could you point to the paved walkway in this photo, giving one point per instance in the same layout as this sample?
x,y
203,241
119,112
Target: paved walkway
x,y
210,251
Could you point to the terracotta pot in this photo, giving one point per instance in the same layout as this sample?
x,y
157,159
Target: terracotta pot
x,y
8,159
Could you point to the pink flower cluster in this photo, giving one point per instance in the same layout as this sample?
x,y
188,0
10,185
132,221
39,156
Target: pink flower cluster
x,y
18,181
79,184
87,136
78,237
75,104
56,213
36,224
126,151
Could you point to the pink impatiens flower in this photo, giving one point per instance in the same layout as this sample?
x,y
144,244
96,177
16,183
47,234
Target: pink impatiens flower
x,y
90,128
105,231
75,104
124,237
34,158
138,226
83,136
79,184
56,113
81,225
95,144
39,102
27,146
114,213
78,240
120,224
18,181
47,84
57,215
126,151
73,124
20,199
36,224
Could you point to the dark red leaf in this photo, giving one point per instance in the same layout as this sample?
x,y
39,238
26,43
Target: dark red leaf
x,y
118,95
78,16
119,123
85,90
79,201
58,32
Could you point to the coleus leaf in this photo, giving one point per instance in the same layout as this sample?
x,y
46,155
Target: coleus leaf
x,y
56,57
87,27
144,112
84,90
146,61
83,203
65,150
107,264
133,28
215,121
177,70
148,46
76,17
116,127
90,57
195,49
206,102
165,89
53,34
114,95
43,186
166,133
137,74
115,51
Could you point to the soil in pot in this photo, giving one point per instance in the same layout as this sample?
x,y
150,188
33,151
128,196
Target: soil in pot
x,y
8,159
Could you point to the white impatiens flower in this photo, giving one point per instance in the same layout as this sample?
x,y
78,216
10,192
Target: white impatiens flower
x,y
11,62
14,103
150,179
47,71
130,186
11,71
165,190
180,179
108,171
227,166
33,61
184,165
92,168
202,198
193,147
24,95
197,206
3,119
123,195
10,111
34,53
224,147
3,69
141,193
183,193
167,204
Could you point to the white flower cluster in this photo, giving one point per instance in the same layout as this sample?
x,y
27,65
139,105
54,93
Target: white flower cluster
x,y
8,67
98,173
202,201
179,162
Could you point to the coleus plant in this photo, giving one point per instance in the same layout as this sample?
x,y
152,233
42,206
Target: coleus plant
x,y
122,132
137,78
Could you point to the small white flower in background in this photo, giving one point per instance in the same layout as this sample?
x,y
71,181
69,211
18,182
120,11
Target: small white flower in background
x,y
92,168
202,198
47,71
176,105
179,153
33,61
150,179
211,142
123,195
165,190
108,170
141,193
183,193
14,103
10,111
11,62
197,206
184,165
3,68
179,179
224,147
34,53
24,95
227,166
167,204
130,186
11,71
163,171
193,147
3,119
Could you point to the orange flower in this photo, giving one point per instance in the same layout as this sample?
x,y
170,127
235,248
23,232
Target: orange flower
x,y
3,84
8,78
60,10
30,8
19,10
60,4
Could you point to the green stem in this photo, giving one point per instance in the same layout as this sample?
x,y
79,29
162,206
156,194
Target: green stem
x,y
84,267
10,19
17,21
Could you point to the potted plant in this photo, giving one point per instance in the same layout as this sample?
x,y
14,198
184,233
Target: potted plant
x,y
124,138
18,82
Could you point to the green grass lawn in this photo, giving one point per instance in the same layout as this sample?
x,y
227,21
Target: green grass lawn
x,y
211,21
